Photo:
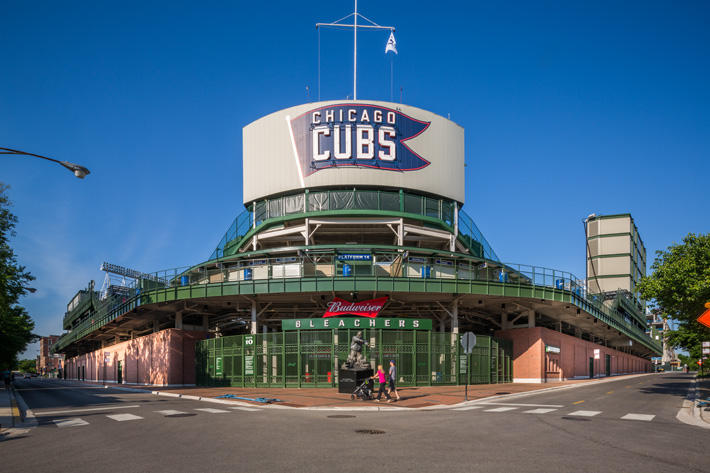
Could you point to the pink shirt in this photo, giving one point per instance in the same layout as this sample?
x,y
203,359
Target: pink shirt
x,y
381,375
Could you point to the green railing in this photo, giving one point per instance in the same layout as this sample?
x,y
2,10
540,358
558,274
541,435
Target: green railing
x,y
384,272
311,358
315,202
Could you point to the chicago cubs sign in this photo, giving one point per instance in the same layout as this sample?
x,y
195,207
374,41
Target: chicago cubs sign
x,y
363,135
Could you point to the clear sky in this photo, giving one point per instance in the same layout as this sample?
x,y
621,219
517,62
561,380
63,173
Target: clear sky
x,y
569,108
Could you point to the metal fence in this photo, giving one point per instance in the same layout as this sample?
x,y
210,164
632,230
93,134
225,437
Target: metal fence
x,y
310,358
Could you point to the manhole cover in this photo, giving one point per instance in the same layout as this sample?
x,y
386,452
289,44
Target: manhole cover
x,y
340,416
370,431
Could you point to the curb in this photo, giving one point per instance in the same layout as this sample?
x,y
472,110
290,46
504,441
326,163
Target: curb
x,y
28,419
689,412
377,408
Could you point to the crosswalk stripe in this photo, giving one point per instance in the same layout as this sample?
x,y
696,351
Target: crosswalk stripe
x,y
501,409
170,412
539,411
123,417
61,423
211,410
250,409
468,408
645,417
585,413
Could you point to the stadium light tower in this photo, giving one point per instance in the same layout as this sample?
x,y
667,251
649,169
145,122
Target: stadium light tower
x,y
79,171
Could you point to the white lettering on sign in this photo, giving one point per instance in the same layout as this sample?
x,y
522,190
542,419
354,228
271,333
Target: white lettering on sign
x,y
386,132
387,322
401,323
326,323
311,322
365,142
317,132
357,322
373,322
365,135
338,150
341,324
298,324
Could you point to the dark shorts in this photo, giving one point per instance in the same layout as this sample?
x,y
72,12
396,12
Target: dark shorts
x,y
392,386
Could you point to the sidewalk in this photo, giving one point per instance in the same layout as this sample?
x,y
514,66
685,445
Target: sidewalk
x,y
703,394
411,397
9,413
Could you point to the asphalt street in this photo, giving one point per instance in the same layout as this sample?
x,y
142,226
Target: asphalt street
x,y
623,425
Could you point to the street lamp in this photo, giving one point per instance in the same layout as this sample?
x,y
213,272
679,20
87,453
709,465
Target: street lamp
x,y
79,171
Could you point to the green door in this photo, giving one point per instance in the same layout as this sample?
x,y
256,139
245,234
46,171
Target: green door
x,y
119,372
591,367
608,364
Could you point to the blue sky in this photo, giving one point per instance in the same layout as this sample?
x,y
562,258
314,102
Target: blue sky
x,y
569,108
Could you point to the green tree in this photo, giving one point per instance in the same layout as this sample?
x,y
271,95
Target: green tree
x,y
27,366
679,286
15,324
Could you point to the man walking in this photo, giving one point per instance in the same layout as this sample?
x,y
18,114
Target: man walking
x,y
393,379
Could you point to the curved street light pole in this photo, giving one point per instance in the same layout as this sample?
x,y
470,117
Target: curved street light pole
x,y
79,171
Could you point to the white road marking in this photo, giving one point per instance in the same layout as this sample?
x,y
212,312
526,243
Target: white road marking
x,y
646,417
123,417
250,409
211,410
70,422
585,413
501,409
520,405
539,411
468,408
69,411
170,412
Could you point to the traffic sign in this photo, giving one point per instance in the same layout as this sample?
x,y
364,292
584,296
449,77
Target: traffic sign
x,y
706,344
468,341
705,317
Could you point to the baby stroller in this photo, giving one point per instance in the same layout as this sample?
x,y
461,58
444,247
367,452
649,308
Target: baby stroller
x,y
364,391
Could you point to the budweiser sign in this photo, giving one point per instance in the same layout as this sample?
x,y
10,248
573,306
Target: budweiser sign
x,y
362,309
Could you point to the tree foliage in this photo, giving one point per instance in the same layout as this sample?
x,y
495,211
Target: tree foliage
x,y
15,323
680,286
27,366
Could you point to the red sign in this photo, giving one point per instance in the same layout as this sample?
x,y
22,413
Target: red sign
x,y
705,318
369,308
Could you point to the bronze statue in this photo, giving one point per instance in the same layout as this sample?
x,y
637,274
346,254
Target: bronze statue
x,y
355,359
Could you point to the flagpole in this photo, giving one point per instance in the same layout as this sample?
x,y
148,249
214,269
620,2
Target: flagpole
x,y
391,78
368,24
355,54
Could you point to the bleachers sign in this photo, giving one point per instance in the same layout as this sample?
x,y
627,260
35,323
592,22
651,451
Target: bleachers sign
x,y
355,323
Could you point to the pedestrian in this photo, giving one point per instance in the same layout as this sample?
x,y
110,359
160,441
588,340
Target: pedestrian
x,y
380,376
6,377
393,379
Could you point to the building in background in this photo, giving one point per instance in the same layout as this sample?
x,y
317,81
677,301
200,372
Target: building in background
x,y
48,362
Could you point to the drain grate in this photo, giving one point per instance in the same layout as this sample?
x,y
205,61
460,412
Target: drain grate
x,y
181,415
577,419
340,416
370,431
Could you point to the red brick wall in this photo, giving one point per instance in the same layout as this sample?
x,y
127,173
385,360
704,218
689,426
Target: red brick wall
x,y
529,356
163,358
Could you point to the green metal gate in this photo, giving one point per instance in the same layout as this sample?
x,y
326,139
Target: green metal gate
x,y
310,358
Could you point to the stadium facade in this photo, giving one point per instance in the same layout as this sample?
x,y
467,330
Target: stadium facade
x,y
354,221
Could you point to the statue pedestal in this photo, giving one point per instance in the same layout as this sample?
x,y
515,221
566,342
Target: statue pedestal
x,y
350,378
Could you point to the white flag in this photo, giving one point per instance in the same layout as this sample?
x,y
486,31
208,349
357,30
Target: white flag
x,y
391,44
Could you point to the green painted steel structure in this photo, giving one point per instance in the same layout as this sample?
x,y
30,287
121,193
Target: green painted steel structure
x,y
309,358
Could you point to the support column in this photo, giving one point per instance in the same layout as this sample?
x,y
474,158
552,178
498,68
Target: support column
x,y
531,318
254,328
178,319
156,326
205,322
454,324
